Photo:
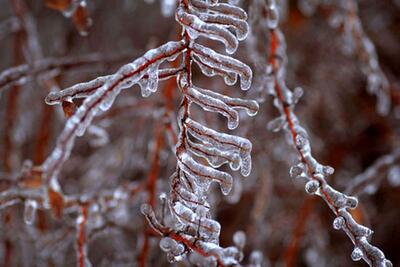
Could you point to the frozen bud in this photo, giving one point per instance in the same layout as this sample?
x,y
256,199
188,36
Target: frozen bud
x,y
80,219
273,16
239,238
301,140
357,254
256,258
276,124
338,223
167,244
178,250
388,263
145,209
120,194
371,189
27,165
30,211
394,176
312,186
296,170
351,202
171,257
163,196
297,94
328,170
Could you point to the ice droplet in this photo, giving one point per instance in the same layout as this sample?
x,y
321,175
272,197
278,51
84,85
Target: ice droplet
x,y
351,202
239,238
394,176
312,186
30,211
357,254
276,124
338,223
296,171
328,170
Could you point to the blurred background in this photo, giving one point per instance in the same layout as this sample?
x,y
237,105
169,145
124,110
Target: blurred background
x,y
280,220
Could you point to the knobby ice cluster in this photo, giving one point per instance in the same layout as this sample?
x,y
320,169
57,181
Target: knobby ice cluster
x,y
103,174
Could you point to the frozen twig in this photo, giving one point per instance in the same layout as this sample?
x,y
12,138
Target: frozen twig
x,y
369,180
48,67
308,167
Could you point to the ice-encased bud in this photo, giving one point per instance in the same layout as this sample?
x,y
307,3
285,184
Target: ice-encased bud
x,y
338,223
357,254
394,176
328,170
30,211
296,170
167,244
256,258
312,186
297,94
276,124
301,140
351,202
239,238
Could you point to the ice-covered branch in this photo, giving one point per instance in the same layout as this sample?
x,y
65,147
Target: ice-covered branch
x,y
8,26
104,97
48,67
368,181
356,42
83,90
193,230
359,43
308,167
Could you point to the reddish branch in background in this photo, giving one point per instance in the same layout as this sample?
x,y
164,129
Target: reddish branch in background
x,y
168,155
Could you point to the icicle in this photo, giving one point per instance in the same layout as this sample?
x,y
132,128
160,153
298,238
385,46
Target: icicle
x,y
30,211
206,174
225,63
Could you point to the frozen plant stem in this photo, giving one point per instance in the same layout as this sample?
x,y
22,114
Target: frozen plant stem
x,y
193,230
102,99
356,42
308,167
81,238
368,181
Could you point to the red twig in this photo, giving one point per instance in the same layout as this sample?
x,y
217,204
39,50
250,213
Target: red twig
x,y
69,134
81,241
151,188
